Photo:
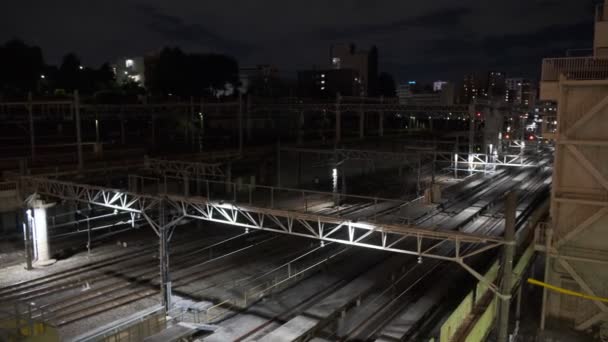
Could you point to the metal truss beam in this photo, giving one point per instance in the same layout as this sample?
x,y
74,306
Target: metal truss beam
x,y
404,239
473,159
184,168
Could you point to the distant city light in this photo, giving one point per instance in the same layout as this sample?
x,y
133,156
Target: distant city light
x,y
81,67
411,82
129,63
42,76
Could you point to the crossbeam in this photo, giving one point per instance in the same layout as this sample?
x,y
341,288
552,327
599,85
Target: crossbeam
x,y
184,168
473,159
399,238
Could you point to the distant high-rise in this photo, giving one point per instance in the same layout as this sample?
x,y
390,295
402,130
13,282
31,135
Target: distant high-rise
x,y
496,84
329,83
520,91
130,69
474,86
364,63
438,85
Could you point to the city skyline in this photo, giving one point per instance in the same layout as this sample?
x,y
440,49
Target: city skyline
x,y
415,40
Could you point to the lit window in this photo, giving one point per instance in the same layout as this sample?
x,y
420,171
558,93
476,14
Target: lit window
x,y
323,82
322,88
336,62
322,75
129,63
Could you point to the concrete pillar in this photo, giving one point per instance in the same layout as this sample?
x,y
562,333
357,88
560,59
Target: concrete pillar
x,y
381,123
27,238
37,218
507,267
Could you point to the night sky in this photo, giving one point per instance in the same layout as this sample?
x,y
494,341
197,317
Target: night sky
x,y
428,39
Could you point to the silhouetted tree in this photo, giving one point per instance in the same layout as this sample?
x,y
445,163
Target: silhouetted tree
x,y
69,77
386,85
372,71
21,67
174,72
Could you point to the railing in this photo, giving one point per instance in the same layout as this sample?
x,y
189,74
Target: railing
x,y
8,186
301,200
574,68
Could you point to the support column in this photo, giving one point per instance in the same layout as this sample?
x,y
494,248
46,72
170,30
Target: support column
x,y
381,123
186,185
153,130
240,123
507,267
27,238
543,313
228,176
299,172
301,128
165,279
97,137
78,130
123,138
248,122
30,112
37,220
343,188
338,120
278,164
361,124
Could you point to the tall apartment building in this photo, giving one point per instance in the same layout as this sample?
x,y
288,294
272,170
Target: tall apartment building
x,y
364,62
576,240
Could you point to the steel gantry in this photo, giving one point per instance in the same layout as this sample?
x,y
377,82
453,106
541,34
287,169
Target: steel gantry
x,y
164,212
185,168
472,160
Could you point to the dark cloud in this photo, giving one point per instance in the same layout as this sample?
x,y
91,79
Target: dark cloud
x,y
416,39
436,20
178,30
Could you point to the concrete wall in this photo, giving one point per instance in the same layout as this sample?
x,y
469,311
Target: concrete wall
x,y
579,199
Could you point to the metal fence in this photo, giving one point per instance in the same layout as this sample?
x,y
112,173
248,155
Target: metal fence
x,y
574,68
